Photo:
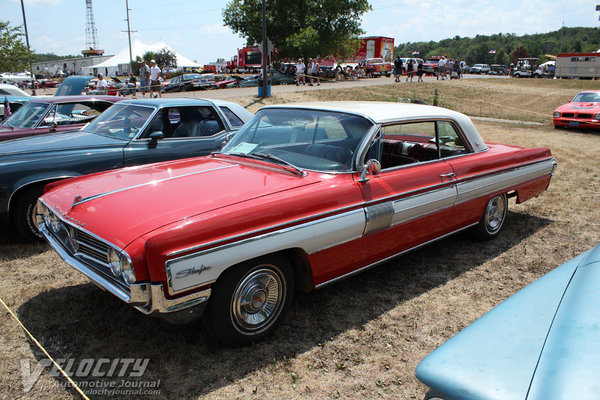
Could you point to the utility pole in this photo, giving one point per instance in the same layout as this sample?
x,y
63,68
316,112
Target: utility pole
x,y
129,36
598,9
265,51
28,48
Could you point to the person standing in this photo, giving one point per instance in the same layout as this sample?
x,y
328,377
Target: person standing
x,y
101,85
144,78
442,68
397,68
154,82
420,71
314,72
300,72
410,70
463,66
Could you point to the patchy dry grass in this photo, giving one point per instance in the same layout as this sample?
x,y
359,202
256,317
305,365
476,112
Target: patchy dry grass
x,y
361,338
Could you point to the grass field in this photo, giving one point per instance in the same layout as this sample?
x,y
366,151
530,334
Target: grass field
x,y
360,338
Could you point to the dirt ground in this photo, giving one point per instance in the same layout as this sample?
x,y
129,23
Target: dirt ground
x,y
360,338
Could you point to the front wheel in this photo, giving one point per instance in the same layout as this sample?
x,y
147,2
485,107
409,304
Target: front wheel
x,y
492,219
249,301
24,214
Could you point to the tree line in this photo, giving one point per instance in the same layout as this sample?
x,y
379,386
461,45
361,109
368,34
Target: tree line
x,y
504,48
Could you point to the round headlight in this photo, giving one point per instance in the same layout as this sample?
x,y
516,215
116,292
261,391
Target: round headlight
x,y
596,116
127,269
556,114
114,262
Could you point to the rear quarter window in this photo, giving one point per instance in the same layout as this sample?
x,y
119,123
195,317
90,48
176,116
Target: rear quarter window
x,y
232,117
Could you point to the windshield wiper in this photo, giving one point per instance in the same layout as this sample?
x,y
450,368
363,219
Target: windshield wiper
x,y
265,156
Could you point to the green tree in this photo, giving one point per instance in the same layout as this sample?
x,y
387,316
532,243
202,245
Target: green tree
x,y
14,54
309,28
164,58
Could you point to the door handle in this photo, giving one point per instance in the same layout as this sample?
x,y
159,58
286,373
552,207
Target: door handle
x,y
449,175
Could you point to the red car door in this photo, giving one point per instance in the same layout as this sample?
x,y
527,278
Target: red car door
x,y
411,201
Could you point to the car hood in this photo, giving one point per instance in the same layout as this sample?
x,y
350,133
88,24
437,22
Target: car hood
x,y
37,146
541,341
579,106
138,200
73,85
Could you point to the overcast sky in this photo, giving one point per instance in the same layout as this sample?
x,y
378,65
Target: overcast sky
x,y
195,28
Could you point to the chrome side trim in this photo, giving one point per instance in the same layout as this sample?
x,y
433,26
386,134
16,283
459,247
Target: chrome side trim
x,y
379,217
366,267
274,227
475,188
199,269
413,207
97,196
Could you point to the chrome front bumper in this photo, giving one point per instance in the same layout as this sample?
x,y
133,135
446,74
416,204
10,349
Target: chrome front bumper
x,y
147,297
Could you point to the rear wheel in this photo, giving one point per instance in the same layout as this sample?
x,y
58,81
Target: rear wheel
x,y
492,219
249,300
23,215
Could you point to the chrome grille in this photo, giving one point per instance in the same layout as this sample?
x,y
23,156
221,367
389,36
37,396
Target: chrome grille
x,y
89,250
91,247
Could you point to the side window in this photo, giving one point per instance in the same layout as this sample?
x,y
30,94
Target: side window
x,y
415,142
451,143
194,122
408,143
233,119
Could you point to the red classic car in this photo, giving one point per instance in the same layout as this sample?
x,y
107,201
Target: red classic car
x,y
583,111
302,196
43,115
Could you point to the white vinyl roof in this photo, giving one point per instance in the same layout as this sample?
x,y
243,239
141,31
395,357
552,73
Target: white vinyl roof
x,y
386,112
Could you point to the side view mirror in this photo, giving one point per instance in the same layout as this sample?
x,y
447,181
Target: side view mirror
x,y
154,138
372,167
53,126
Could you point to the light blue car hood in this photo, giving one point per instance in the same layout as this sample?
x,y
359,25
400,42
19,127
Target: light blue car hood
x,y
541,343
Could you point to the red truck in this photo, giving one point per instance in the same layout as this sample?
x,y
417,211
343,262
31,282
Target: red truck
x,y
248,59
378,51
376,47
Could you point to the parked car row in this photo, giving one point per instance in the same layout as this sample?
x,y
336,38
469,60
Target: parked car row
x,y
148,204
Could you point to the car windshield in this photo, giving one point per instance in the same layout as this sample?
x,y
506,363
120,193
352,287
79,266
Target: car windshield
x,y
26,116
307,139
120,121
587,98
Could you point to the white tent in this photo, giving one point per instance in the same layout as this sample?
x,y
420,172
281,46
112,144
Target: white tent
x,y
110,67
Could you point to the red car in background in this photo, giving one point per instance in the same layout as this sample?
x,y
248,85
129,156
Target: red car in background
x,y
43,115
583,111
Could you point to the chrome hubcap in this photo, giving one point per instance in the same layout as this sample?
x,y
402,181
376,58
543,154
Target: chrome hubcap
x,y
258,300
496,211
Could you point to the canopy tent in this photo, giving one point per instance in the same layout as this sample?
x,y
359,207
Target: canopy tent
x,y
110,67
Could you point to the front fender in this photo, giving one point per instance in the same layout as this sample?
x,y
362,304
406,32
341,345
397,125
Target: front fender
x,y
36,179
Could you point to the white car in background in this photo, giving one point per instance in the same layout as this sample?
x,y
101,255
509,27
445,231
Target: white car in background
x,y
7,89
480,69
